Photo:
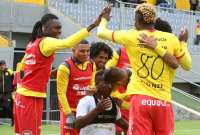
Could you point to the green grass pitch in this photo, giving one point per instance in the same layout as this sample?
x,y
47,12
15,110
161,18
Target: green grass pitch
x,y
189,127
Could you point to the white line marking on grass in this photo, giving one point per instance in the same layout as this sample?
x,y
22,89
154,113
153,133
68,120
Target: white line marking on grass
x,y
186,108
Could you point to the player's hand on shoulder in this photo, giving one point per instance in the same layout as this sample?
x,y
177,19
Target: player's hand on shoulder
x,y
147,41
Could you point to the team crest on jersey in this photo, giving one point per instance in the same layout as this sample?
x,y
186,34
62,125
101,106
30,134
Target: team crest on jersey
x,y
27,132
78,87
30,45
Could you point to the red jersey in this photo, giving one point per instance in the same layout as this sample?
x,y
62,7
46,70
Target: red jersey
x,y
123,60
37,68
79,82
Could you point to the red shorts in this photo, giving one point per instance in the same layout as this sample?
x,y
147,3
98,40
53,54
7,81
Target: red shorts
x,y
150,116
28,115
16,127
65,130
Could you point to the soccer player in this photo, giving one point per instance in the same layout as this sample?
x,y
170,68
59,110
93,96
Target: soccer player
x,y
75,77
98,113
38,58
154,57
120,59
100,53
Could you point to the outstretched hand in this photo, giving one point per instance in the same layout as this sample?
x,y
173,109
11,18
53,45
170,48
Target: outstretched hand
x,y
183,36
107,11
104,13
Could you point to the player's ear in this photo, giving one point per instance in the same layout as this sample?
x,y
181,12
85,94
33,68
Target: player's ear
x,y
73,49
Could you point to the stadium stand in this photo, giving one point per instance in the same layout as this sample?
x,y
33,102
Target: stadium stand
x,y
183,4
124,18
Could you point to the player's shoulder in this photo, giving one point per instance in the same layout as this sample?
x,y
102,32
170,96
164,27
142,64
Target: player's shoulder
x,y
87,99
132,31
166,34
63,66
128,31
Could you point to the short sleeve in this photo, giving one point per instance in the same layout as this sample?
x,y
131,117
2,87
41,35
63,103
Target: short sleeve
x,y
83,106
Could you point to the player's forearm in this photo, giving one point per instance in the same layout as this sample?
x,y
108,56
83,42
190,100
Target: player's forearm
x,y
123,124
167,58
20,67
103,32
92,83
64,104
186,62
83,121
61,92
49,45
170,60
62,83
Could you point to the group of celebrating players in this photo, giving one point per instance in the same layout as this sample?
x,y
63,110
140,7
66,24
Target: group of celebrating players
x,y
100,89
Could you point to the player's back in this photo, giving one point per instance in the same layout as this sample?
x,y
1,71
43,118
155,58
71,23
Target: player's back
x,y
151,75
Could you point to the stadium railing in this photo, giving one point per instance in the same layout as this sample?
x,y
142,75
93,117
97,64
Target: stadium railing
x,y
85,12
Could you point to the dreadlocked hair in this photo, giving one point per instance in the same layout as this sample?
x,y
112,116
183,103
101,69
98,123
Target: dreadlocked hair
x,y
37,29
147,12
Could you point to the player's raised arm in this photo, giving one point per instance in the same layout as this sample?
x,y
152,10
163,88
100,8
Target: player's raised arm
x,y
50,45
104,33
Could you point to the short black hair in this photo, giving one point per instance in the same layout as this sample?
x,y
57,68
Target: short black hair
x,y
83,42
97,47
111,75
162,25
2,62
99,76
